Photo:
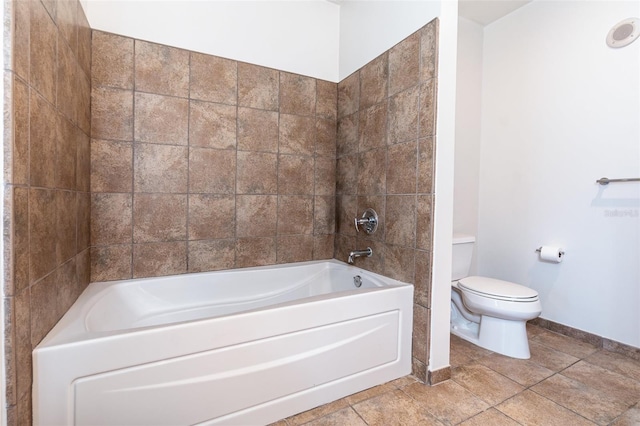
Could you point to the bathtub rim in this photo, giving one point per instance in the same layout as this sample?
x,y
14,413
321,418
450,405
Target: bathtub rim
x,y
71,328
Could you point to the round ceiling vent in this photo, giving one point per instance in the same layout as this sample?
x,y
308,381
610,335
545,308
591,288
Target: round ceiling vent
x,y
624,33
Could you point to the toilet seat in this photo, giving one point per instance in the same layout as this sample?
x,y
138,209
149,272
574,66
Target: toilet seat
x,y
497,289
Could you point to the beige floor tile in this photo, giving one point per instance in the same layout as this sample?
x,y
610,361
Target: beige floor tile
x,y
522,371
631,417
404,381
317,412
550,358
591,403
533,330
280,423
565,344
531,409
467,350
490,417
369,393
614,384
485,383
394,408
448,401
616,362
344,417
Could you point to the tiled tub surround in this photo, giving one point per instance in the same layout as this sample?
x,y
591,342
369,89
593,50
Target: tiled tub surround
x,y
201,163
385,146
46,150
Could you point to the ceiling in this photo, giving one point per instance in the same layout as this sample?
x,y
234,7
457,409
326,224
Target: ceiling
x,y
485,12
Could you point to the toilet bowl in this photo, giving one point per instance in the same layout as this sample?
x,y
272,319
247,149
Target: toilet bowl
x,y
488,312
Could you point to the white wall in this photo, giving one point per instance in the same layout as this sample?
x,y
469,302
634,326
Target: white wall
x,y
443,205
369,28
294,36
560,109
468,129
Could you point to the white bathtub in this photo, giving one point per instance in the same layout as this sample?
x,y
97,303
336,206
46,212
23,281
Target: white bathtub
x,y
247,346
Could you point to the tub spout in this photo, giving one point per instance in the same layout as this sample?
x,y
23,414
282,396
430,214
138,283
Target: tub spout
x,y
359,253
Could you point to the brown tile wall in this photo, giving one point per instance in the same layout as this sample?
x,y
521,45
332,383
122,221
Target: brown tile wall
x,y
385,147
202,163
47,200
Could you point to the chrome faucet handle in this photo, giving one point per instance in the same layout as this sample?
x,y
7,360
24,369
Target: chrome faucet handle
x,y
369,221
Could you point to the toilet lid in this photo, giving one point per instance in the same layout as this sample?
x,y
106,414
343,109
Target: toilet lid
x,y
498,289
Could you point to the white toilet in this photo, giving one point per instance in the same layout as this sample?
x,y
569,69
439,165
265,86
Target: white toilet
x,y
487,312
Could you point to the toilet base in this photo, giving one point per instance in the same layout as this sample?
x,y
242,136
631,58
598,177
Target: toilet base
x,y
502,336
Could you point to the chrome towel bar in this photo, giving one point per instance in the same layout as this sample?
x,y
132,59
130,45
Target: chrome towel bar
x,y
607,181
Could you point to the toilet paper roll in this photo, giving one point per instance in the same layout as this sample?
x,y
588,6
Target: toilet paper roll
x,y
551,254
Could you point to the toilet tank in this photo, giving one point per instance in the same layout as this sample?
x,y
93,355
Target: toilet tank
x,y
462,253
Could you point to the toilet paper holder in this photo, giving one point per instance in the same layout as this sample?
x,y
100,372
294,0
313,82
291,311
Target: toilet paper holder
x,y
539,250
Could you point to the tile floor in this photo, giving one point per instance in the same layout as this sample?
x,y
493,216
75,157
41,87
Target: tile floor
x,y
566,382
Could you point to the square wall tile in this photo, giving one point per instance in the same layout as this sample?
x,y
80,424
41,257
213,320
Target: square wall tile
x,y
295,214
347,175
374,78
21,129
426,165
212,171
294,248
372,172
111,114
400,220
160,168
43,142
428,108
159,217
324,215
213,79
326,100
66,82
112,60
347,135
297,94
424,223
66,226
161,69
257,130
256,215
349,95
211,255
109,263
159,259
295,174
401,168
161,119
372,128
257,173
323,246
297,134
257,87
403,116
255,252
42,232
404,64
399,263
429,50
111,166
325,176
66,154
326,136
211,216
21,238
212,125
111,219
43,48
